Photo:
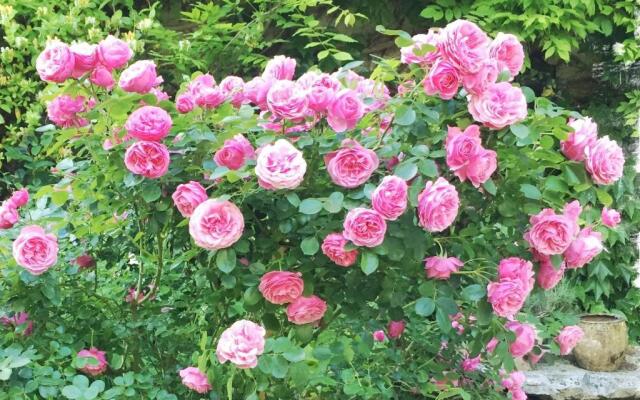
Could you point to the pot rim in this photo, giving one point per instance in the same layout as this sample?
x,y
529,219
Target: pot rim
x,y
607,318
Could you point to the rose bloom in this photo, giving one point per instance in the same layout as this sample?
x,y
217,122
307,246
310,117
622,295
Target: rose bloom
x,y
232,88
395,329
513,383
464,45
85,261
287,100
333,248
255,91
499,106
441,267
209,97
113,52
414,54
159,94
379,336
241,344
18,319
438,205
351,165
319,98
281,287
491,345
584,134
35,250
517,269
604,161
149,159
19,198
345,110
280,68
195,379
8,215
305,310
551,233
467,158
364,227
548,276
390,197
525,338
443,80
216,224
201,82
568,338
280,166
481,167
583,249
470,364
508,51
85,58
149,123
478,82
506,297
234,153
55,63
103,77
139,77
99,356
64,110
185,102
188,196
610,217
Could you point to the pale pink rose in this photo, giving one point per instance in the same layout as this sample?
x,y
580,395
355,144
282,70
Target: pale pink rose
x,y
345,111
255,91
64,110
478,82
395,329
35,250
470,364
8,215
443,79
319,98
103,77
438,205
233,90
500,105
551,233
307,79
568,338
216,224
98,356
195,379
241,344
604,160
149,123
159,94
584,133
464,45
441,267
374,95
55,63
280,166
185,102
481,167
491,345
113,53
280,68
287,100
19,319
333,248
390,197
85,58
586,246
139,77
84,261
364,227
209,97
200,82
508,52
352,165
517,269
513,383
525,338
506,297
305,310
19,198
235,152
349,78
188,196
149,159
610,217
379,336
281,287
548,276
417,52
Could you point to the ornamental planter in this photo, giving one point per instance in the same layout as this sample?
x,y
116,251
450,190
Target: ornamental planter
x,y
604,344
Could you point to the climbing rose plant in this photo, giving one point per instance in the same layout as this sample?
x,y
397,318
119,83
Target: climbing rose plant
x,y
305,231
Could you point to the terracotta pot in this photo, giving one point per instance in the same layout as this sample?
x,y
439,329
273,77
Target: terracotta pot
x,y
604,343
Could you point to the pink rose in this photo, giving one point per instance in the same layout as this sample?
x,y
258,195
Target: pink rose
x,y
441,267
281,287
200,82
85,58
506,297
149,159
478,82
417,54
548,276
551,233
91,368
584,134
234,153
513,383
280,68
185,102
305,310
19,319
241,344
19,198
517,269
64,110
491,345
287,100
525,338
232,88
103,77
55,63
345,111
364,227
113,53
35,250
188,196
395,329
255,91
84,261
8,215
209,97
195,379
500,105
280,166
159,94
139,77
508,52
464,45
352,165
149,123
604,161
568,338
462,147
390,197
319,98
586,246
610,217
470,364
216,224
481,167
333,248
438,205
443,79
379,336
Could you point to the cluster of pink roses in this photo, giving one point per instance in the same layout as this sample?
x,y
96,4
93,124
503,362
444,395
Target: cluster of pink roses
x,y
148,156
395,329
9,209
282,287
467,158
515,282
19,319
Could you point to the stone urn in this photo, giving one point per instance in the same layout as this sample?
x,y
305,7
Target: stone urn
x,y
604,343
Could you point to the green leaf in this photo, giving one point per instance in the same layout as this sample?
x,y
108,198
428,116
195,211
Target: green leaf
x,y
368,262
226,260
442,318
293,198
429,168
323,54
473,292
59,197
530,191
334,202
432,12
406,170
71,392
557,260
343,38
310,206
310,246
116,361
521,131
405,115
342,56
294,354
490,187
151,193
425,306
604,198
